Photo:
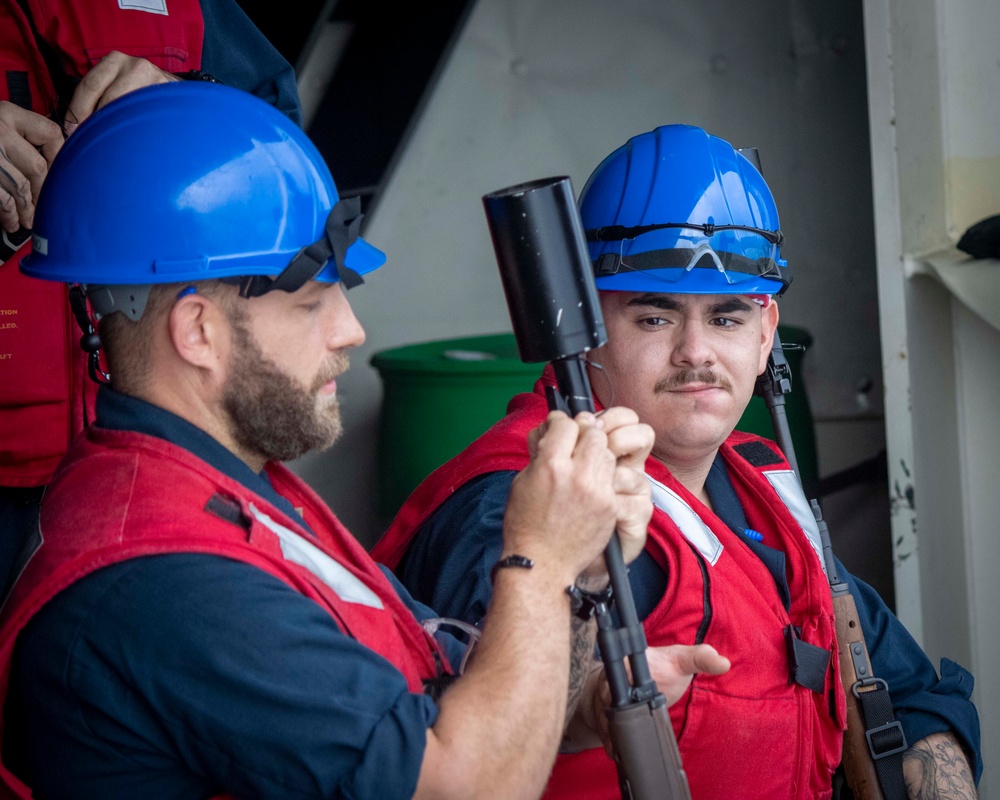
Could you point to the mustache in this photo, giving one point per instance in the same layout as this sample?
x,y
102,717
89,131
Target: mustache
x,y
336,367
687,376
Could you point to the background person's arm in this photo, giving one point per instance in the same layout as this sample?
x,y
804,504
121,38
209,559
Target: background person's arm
x,y
28,143
114,75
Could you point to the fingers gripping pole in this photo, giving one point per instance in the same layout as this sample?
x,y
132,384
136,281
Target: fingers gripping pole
x,y
573,396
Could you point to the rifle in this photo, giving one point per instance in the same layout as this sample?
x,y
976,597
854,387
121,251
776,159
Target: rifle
x,y
874,742
545,269
872,759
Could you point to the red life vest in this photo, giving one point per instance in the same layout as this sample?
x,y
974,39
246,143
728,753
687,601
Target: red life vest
x,y
45,394
751,733
205,511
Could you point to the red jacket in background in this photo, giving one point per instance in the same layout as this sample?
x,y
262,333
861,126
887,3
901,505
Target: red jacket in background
x,y
46,396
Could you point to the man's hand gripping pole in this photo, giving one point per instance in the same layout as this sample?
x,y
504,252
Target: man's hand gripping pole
x,y
542,254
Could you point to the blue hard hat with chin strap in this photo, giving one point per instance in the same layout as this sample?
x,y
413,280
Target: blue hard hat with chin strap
x,y
193,181
677,210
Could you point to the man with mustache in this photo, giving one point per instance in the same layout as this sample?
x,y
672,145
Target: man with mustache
x,y
194,621
685,244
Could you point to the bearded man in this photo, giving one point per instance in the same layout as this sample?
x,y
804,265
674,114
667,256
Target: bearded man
x,y
194,621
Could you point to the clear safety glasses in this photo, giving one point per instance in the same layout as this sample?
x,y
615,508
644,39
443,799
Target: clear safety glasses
x,y
459,631
733,251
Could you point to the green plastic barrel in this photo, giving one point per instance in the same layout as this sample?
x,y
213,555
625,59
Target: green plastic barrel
x,y
439,396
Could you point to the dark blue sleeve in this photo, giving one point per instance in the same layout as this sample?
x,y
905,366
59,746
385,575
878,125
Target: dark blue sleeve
x,y
448,563
192,675
923,701
453,647
238,54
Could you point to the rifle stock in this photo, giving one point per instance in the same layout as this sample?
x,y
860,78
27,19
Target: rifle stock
x,y
540,247
856,676
649,763
859,769
854,664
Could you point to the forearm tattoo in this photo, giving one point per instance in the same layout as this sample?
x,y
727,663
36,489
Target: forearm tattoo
x,y
935,768
581,659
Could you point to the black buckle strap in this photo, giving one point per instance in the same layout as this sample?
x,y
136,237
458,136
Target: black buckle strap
x,y
341,231
886,740
807,663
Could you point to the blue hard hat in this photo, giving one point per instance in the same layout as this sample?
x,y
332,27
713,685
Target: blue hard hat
x,y
677,210
191,181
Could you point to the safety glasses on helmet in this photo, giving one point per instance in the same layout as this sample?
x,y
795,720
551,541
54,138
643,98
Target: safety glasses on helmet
x,y
737,252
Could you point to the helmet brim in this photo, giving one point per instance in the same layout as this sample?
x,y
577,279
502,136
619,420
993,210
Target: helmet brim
x,y
362,257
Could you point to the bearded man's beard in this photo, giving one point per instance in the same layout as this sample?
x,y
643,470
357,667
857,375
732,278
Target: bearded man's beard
x,y
272,414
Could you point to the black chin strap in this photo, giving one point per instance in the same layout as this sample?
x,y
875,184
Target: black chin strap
x,y
340,232
90,341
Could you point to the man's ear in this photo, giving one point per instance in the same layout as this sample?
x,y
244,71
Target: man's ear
x,y
200,332
768,327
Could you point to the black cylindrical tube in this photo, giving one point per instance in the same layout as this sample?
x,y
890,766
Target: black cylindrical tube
x,y
545,269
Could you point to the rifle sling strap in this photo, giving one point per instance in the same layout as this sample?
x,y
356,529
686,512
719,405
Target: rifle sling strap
x,y
886,741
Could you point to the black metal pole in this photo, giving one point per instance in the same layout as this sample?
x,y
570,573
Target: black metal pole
x,y
545,269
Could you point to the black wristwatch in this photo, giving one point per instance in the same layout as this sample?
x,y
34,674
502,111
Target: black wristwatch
x,y
584,604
